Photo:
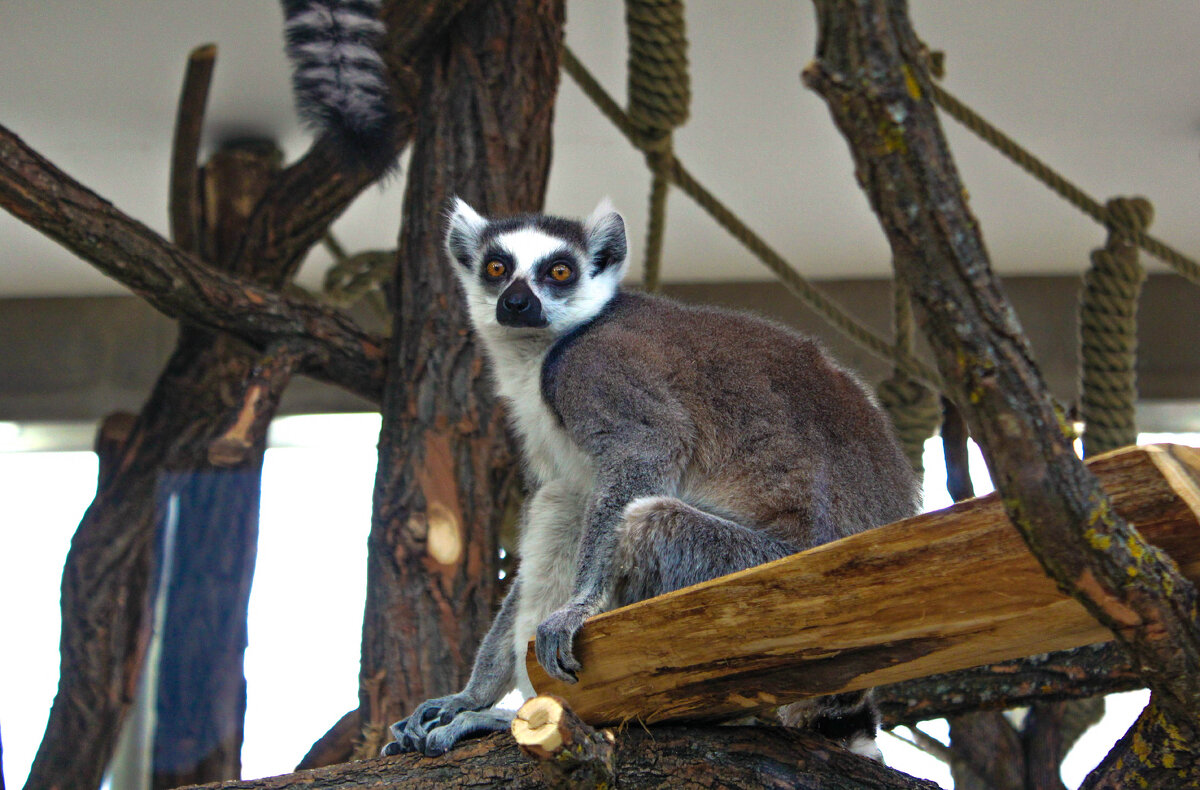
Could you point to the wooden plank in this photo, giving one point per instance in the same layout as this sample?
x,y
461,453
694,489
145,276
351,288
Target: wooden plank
x,y
942,591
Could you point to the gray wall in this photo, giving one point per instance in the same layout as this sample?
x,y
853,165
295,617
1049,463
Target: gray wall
x,y
83,358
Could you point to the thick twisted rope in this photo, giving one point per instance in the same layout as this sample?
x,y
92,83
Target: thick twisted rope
x,y
791,279
659,85
1108,330
1182,264
659,99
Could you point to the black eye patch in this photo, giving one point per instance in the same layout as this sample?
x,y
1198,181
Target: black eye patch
x,y
560,268
490,273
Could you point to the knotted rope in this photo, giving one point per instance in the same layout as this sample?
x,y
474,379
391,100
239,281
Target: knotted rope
x,y
659,97
755,244
1183,265
1108,329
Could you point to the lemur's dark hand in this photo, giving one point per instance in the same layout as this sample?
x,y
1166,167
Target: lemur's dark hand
x,y
555,643
411,734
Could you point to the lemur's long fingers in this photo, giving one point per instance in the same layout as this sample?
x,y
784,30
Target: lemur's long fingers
x,y
567,662
469,723
556,655
410,733
405,741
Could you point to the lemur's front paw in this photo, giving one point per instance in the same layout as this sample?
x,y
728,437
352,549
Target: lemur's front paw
x,y
412,734
555,643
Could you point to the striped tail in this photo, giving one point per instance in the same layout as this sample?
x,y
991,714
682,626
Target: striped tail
x,y
339,79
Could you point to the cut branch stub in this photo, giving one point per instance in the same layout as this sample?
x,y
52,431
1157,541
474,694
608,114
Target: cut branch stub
x,y
572,754
183,197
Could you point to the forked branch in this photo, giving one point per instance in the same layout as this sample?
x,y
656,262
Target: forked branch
x,y
177,283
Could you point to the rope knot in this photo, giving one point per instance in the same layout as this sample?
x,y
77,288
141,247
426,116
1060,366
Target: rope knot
x,y
1129,215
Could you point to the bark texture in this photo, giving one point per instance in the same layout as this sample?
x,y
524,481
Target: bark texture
x,y
1072,674
445,467
161,479
1156,752
871,72
177,283
670,758
207,571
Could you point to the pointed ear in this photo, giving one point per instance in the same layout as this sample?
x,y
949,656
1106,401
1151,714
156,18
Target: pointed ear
x,y
605,234
463,230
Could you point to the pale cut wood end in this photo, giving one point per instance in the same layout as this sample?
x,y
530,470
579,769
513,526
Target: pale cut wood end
x,y
539,727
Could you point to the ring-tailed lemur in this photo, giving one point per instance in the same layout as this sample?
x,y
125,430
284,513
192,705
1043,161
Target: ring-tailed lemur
x,y
666,445
338,78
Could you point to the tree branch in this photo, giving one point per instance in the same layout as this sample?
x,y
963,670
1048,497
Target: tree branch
x,y
178,284
1154,753
868,69
308,196
662,757
259,401
484,132
1072,674
183,197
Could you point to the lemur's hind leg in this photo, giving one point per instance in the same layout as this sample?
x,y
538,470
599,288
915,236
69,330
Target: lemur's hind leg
x,y
667,544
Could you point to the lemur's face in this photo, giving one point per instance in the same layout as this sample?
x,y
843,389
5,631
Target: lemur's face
x,y
536,273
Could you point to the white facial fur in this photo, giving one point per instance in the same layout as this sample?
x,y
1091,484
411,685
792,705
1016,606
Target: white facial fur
x,y
564,309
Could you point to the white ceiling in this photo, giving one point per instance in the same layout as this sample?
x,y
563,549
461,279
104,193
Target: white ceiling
x,y
1108,91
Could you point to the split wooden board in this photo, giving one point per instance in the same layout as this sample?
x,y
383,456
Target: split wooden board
x,y
942,591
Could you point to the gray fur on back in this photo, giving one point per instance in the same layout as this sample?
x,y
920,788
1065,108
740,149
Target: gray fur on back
x,y
762,427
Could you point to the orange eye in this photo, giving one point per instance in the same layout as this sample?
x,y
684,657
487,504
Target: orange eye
x,y
560,272
495,269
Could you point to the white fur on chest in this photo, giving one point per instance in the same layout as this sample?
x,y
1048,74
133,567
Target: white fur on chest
x,y
546,447
561,475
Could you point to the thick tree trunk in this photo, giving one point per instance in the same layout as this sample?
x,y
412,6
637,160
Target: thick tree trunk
x,y
215,516
109,567
445,467
201,695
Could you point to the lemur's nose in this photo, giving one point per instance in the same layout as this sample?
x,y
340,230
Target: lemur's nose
x,y
517,301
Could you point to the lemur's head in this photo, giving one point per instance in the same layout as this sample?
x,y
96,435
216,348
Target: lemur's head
x,y
535,272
